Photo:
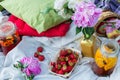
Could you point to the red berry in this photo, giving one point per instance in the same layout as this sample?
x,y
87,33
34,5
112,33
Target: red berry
x,y
70,63
70,68
74,60
40,49
53,69
52,63
63,62
41,57
36,54
72,56
60,72
63,53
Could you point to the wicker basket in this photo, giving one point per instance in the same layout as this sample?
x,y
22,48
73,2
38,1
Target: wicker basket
x,y
105,16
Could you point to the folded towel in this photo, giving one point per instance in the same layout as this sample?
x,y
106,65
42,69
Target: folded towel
x,y
26,30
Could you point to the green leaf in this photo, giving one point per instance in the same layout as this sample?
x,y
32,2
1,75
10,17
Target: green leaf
x,y
66,10
20,65
16,66
65,5
78,29
30,77
88,32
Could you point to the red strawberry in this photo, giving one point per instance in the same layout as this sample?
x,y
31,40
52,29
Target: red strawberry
x,y
70,68
70,63
63,62
60,72
64,68
41,57
66,58
74,60
52,63
63,53
69,51
72,56
57,71
40,49
36,54
61,58
53,69
58,66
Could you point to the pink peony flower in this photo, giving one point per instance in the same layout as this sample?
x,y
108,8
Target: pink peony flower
x,y
86,14
32,66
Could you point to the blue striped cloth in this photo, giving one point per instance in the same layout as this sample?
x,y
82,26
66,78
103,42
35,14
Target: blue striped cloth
x,y
113,5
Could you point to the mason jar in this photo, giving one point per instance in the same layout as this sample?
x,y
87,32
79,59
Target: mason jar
x,y
9,36
106,58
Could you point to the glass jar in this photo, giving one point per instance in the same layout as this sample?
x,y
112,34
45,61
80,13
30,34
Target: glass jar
x,y
9,36
106,58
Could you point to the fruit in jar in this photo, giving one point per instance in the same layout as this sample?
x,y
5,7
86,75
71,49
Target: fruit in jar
x,y
103,62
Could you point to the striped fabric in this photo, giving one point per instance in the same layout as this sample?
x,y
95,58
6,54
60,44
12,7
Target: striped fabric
x,y
113,5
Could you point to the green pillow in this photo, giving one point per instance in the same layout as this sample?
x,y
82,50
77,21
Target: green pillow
x,y
30,11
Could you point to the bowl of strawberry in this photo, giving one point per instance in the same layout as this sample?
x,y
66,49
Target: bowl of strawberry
x,y
65,62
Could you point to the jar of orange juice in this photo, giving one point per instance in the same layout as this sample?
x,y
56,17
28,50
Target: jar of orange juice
x,y
106,58
9,36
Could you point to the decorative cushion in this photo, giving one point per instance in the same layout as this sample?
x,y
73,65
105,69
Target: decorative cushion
x,y
26,30
31,11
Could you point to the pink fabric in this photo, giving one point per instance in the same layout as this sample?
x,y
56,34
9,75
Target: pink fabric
x,y
25,29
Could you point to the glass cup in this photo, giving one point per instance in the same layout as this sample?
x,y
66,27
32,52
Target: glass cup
x,y
9,36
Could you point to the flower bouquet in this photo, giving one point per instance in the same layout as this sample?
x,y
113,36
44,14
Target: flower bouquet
x,y
29,66
85,17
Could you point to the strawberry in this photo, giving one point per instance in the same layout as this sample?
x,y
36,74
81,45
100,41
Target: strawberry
x,y
70,68
72,56
69,51
63,62
40,49
36,54
52,63
63,53
41,57
64,68
58,66
74,60
61,58
53,69
70,63
60,72
57,71
66,58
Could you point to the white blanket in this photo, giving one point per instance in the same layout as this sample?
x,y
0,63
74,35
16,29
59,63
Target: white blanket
x,y
28,46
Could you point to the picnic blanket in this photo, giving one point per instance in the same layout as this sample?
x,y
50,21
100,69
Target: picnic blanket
x,y
28,46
